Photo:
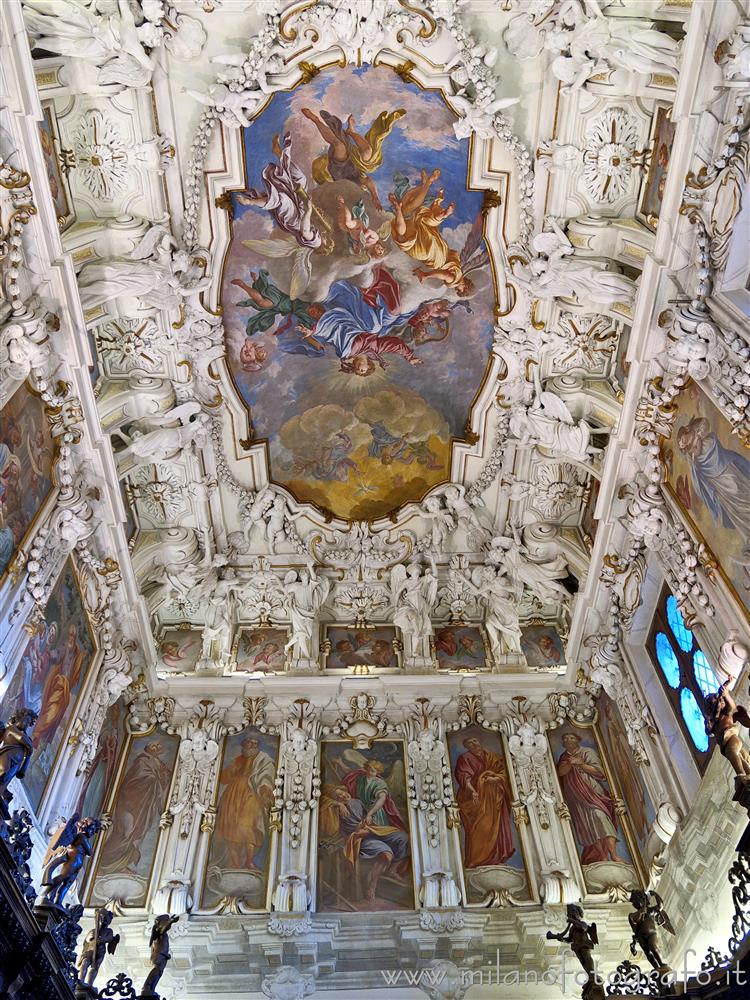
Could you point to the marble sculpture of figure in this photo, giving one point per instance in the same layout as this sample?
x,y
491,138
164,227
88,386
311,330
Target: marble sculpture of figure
x,y
156,272
551,274
494,590
541,576
441,522
305,595
16,748
108,40
165,442
413,595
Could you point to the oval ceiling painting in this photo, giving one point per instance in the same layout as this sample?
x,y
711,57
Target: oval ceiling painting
x,y
358,295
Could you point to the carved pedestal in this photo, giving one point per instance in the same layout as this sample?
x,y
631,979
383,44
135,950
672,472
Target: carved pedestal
x,y
49,917
86,992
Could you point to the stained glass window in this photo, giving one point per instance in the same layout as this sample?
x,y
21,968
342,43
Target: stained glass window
x,y
704,675
685,671
682,634
694,721
667,660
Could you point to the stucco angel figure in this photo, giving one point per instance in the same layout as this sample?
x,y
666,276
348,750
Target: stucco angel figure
x,y
494,590
733,54
235,108
269,513
695,347
413,596
306,593
145,448
157,272
19,354
68,848
551,274
541,576
109,40
548,422
441,521
465,515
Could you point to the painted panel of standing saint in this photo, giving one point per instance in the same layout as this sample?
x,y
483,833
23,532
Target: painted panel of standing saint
x,y
26,456
239,853
358,297
641,810
709,472
50,675
364,854
127,849
100,776
605,853
490,844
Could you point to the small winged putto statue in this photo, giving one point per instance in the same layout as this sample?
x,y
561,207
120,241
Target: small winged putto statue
x,y
647,917
69,846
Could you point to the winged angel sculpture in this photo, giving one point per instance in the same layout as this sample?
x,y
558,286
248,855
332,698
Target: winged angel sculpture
x,y
551,274
548,423
157,272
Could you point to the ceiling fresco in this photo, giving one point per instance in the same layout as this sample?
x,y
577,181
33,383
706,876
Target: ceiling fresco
x,y
358,296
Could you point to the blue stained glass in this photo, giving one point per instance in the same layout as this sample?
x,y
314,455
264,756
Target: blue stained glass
x,y
694,721
667,660
682,634
704,675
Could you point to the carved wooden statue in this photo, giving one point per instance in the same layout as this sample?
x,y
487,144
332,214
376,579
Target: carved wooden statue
x,y
15,750
99,940
647,917
582,938
160,954
68,848
723,716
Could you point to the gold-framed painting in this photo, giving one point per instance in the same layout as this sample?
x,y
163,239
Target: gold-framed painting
x,y
180,648
464,648
49,135
661,143
708,480
27,457
491,845
360,648
603,835
239,853
127,849
260,649
51,675
542,645
364,829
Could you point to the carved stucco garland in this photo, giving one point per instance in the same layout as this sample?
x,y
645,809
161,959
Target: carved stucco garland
x,y
484,80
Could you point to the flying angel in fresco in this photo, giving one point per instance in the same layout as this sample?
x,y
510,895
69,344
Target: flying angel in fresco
x,y
287,200
351,156
416,230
